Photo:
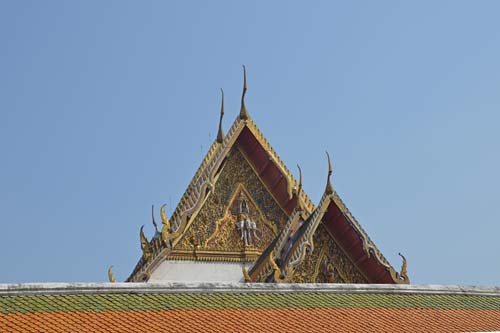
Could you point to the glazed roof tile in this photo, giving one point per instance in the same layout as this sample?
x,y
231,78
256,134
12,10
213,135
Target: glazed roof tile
x,y
135,307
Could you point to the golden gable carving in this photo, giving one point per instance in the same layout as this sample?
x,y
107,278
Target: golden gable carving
x,y
214,233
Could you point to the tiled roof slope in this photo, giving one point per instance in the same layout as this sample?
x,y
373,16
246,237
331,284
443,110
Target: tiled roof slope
x,y
134,307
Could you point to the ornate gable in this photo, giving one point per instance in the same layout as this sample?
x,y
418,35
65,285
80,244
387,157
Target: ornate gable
x,y
244,206
328,263
217,231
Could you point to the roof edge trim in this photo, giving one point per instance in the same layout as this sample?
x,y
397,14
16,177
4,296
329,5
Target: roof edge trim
x,y
26,289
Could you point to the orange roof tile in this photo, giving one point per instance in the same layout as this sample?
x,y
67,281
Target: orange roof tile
x,y
258,320
248,308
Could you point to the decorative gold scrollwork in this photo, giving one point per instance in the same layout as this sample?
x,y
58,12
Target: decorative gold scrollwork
x,y
317,267
403,275
277,275
145,247
246,276
166,229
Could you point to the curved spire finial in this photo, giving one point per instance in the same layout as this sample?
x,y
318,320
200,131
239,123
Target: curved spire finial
x,y
165,229
144,240
164,218
403,275
243,110
111,276
153,216
329,187
220,134
146,251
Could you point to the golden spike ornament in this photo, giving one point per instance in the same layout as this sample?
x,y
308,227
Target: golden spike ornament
x,y
243,110
164,219
403,275
329,187
144,244
153,217
165,230
111,276
220,133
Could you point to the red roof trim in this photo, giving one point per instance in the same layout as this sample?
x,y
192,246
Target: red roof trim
x,y
350,241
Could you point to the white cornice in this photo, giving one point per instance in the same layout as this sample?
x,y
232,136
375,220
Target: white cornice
x,y
165,288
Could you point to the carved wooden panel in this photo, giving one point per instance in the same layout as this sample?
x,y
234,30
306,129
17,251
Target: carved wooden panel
x,y
327,263
217,227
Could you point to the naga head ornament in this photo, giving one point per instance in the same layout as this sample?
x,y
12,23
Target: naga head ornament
x,y
403,275
111,276
164,219
165,230
144,240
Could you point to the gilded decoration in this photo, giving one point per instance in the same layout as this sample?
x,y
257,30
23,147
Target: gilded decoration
x,y
212,223
239,216
111,276
327,263
242,225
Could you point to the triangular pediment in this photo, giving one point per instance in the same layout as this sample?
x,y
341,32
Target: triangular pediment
x,y
245,141
236,222
278,228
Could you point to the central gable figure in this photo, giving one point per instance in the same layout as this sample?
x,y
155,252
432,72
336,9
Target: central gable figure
x,y
245,218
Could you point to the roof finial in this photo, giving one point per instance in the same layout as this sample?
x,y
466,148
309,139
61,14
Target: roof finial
x,y
329,187
220,134
153,216
300,187
144,244
165,229
243,110
403,275
111,276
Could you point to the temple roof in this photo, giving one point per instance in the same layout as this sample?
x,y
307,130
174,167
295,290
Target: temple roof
x,y
167,307
274,173
331,211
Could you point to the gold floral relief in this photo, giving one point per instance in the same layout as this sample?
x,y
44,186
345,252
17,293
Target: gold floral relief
x,y
327,263
238,195
231,230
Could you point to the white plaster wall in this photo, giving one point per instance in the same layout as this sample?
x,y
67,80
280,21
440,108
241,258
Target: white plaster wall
x,y
197,271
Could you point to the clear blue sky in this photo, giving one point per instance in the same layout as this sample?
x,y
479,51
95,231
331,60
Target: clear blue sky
x,y
107,106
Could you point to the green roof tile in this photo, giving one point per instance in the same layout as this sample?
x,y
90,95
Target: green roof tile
x,y
271,300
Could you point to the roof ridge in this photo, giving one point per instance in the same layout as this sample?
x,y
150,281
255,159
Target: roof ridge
x,y
191,195
279,162
228,287
368,244
305,240
212,155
